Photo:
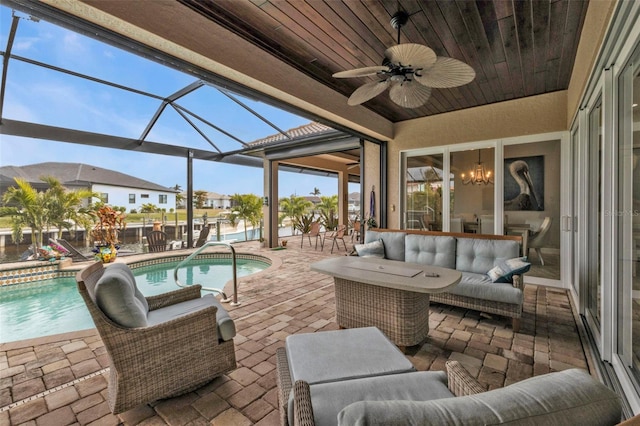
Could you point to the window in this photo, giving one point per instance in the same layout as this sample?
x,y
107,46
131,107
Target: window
x,y
132,198
162,199
104,197
144,195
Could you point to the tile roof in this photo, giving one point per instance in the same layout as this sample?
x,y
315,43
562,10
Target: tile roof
x,y
306,130
76,174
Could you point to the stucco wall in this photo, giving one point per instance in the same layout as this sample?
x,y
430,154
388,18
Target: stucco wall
x,y
596,23
527,116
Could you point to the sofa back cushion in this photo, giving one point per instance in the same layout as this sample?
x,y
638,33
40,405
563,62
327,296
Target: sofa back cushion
x,y
118,297
430,250
481,255
393,243
570,397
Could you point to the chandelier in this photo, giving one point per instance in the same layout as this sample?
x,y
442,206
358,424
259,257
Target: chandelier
x,y
478,175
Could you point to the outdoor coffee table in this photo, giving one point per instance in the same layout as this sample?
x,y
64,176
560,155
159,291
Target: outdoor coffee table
x,y
390,295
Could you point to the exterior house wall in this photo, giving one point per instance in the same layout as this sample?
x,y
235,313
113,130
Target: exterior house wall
x,y
119,196
217,201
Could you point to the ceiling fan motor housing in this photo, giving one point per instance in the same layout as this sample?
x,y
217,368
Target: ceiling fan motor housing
x,y
398,20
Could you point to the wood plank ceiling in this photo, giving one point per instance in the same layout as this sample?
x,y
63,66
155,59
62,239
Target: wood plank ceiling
x,y
517,48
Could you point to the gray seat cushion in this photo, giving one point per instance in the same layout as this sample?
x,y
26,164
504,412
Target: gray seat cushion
x,y
393,243
481,255
117,295
480,286
339,355
570,397
329,399
226,326
431,250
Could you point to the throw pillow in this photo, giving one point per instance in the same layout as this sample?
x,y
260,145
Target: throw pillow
x,y
504,271
372,249
118,297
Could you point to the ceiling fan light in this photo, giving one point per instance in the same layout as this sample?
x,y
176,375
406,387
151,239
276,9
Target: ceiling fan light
x,y
445,73
367,91
409,94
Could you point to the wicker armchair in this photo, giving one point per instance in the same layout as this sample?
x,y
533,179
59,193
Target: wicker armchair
x,y
162,360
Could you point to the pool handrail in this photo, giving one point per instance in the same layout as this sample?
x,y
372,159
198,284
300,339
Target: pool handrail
x,y
225,298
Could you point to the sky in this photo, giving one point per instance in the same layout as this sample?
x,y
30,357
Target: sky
x,y
44,96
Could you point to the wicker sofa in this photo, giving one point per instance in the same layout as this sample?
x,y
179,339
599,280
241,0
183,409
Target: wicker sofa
x,y
474,255
570,397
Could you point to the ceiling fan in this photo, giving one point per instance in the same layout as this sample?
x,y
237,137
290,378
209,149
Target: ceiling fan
x,y
409,71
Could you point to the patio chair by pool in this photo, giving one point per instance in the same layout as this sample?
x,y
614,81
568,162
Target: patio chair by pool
x,y
159,346
338,235
313,232
204,234
157,241
75,255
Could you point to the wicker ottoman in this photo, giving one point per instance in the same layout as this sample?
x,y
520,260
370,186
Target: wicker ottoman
x,y
331,356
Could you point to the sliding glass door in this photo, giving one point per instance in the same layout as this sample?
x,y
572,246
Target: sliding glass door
x,y
628,215
594,216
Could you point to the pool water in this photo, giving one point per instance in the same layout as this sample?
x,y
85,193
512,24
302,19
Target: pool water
x,y
55,306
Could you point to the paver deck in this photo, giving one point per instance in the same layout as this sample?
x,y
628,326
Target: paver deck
x,y
62,379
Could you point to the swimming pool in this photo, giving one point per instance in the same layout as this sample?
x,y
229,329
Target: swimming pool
x,y
54,306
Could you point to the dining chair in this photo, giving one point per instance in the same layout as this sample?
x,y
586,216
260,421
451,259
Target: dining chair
x,y
486,224
538,238
455,224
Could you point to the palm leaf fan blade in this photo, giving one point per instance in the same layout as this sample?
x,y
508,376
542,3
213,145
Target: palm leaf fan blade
x,y
409,94
446,72
360,72
367,91
411,54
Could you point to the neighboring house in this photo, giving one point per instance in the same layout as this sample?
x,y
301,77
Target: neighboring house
x,y
217,201
354,203
115,188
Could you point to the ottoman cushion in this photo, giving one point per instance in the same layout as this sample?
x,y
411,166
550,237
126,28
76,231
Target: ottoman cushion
x,y
342,355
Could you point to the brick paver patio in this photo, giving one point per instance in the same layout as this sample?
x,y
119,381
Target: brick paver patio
x,y
62,379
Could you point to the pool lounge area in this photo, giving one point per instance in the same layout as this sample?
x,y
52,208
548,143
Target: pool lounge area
x,y
62,379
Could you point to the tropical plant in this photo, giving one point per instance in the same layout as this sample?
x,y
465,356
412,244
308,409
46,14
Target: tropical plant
x,y
109,222
199,198
328,207
40,210
315,192
149,208
65,207
303,222
28,210
249,208
293,206
179,195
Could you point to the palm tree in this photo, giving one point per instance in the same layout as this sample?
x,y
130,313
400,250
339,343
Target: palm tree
x,y
249,208
328,207
315,192
199,198
294,206
179,195
64,206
